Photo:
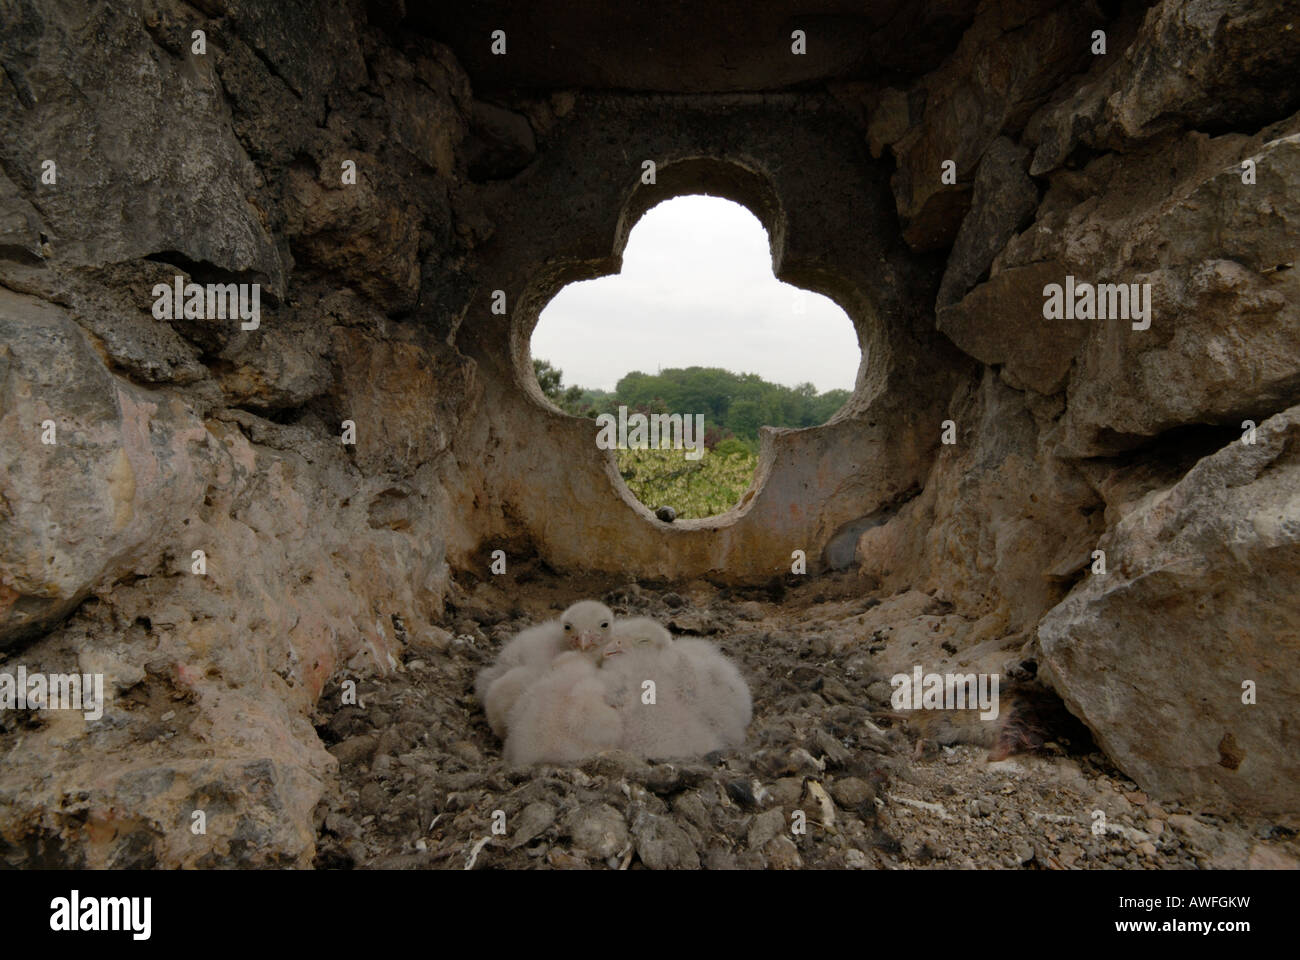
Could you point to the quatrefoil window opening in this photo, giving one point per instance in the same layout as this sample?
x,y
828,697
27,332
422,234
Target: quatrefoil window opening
x,y
694,328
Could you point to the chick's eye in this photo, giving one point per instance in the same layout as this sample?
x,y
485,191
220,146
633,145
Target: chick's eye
x,y
568,626
605,625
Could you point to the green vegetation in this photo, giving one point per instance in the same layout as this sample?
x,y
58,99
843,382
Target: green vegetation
x,y
734,405
694,488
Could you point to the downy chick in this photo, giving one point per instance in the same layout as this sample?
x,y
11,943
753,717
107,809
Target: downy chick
x,y
641,650
563,716
583,626
721,696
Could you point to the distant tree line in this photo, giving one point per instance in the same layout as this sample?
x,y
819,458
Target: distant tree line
x,y
734,405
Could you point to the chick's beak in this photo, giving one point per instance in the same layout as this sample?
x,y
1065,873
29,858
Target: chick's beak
x,y
588,639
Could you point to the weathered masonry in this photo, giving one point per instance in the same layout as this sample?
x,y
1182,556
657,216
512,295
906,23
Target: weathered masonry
x,y
218,516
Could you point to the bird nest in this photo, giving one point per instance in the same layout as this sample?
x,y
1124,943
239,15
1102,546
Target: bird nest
x,y
827,777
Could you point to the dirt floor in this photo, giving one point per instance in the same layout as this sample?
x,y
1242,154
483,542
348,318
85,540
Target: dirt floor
x,y
421,778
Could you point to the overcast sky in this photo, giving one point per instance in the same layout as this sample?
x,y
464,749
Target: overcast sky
x,y
696,290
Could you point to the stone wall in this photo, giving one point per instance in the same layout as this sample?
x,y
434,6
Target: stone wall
x,y
185,435
229,166
1169,160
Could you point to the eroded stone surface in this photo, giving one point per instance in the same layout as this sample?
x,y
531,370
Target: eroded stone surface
x,y
1223,338
1203,66
326,562
1193,606
130,464
1007,63
119,116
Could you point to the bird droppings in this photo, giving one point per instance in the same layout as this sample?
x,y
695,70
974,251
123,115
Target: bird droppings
x,y
422,783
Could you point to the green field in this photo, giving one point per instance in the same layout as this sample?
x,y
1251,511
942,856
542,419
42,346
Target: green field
x,y
735,406
694,488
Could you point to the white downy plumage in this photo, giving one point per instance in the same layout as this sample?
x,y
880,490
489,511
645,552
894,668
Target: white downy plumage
x,y
723,699
583,626
563,716
642,650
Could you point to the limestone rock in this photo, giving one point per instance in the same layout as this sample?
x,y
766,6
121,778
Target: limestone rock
x,y
138,816
1004,521
403,401
1195,602
1007,62
1220,251
423,116
1223,342
21,227
889,120
119,119
284,365
1036,352
1204,65
1004,200
356,231
310,47
110,493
